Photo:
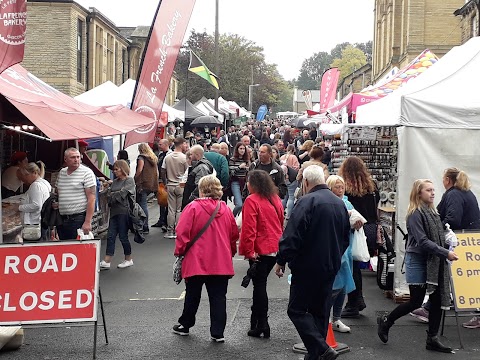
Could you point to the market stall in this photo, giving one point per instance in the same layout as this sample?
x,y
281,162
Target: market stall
x,y
37,118
438,124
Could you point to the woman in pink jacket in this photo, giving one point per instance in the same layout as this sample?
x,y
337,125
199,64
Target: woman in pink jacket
x,y
209,260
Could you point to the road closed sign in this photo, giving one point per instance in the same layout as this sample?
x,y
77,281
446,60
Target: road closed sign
x,y
49,282
466,272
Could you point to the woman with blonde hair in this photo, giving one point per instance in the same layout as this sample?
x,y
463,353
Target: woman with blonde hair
x,y
208,251
459,209
426,268
459,206
36,195
146,178
290,166
119,192
364,196
304,150
343,283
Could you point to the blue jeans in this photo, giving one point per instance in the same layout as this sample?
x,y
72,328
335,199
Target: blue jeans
x,y
237,197
142,201
118,225
289,199
338,298
70,225
415,268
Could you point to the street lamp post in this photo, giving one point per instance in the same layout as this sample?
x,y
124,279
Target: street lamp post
x,y
250,96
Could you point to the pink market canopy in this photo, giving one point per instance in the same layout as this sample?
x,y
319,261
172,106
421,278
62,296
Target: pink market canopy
x,y
61,117
417,67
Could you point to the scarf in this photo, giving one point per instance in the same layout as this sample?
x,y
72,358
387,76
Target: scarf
x,y
438,277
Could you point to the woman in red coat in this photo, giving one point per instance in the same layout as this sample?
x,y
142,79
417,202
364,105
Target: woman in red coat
x,y
209,260
262,227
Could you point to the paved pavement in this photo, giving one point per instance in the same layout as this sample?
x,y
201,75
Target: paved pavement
x,y
142,304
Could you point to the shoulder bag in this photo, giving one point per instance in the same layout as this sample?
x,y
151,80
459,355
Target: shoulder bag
x,y
177,265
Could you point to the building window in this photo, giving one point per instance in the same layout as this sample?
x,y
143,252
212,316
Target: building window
x,y
110,58
98,56
79,50
474,26
124,65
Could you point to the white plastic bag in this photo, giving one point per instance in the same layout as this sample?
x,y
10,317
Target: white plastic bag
x,y
359,246
82,236
238,220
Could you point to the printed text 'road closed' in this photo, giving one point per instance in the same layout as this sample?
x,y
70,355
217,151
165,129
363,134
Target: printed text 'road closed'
x,y
48,282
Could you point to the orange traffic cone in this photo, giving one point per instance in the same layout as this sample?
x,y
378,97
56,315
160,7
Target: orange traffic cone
x,y
331,337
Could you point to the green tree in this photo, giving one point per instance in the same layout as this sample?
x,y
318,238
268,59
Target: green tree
x,y
351,60
313,69
336,52
367,49
237,57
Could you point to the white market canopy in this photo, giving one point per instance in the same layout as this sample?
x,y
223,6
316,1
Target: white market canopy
x,y
444,96
108,94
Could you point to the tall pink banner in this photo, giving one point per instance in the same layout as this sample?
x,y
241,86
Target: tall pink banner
x,y
13,25
165,40
328,89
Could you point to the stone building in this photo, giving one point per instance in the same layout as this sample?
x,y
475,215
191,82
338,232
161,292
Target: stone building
x,y
356,81
404,28
76,49
470,19
301,97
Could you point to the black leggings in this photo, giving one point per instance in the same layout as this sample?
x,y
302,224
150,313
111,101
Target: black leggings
x,y
417,294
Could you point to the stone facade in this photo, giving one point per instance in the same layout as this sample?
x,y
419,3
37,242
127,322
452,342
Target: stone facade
x,y
404,28
356,81
470,19
76,49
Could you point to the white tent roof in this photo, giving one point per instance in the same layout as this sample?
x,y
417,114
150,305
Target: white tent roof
x,y
126,95
106,94
204,107
444,96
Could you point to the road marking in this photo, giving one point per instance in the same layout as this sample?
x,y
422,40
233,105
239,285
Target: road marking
x,y
181,297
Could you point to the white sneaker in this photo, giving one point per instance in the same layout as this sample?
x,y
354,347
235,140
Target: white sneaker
x,y
125,264
104,265
340,327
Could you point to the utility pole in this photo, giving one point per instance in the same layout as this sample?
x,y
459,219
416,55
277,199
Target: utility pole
x,y
217,60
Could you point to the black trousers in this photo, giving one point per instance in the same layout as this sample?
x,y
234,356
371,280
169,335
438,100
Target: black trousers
x,y
217,296
417,294
265,265
309,309
163,215
355,295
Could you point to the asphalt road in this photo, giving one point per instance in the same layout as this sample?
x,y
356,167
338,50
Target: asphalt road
x,y
142,303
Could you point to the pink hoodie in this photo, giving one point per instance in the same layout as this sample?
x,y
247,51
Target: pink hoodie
x,y
212,253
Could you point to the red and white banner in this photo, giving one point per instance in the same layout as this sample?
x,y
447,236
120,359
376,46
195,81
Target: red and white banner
x,y
13,25
328,89
168,30
49,282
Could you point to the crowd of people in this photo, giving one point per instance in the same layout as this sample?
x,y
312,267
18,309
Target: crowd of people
x,y
287,209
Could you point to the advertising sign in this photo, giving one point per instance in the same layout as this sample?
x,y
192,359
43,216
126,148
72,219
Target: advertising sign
x,y
328,88
13,25
466,272
168,30
49,282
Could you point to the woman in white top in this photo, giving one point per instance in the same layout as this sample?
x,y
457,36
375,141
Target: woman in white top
x,y
36,195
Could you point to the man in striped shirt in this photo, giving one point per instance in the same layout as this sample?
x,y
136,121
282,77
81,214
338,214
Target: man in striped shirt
x,y
76,196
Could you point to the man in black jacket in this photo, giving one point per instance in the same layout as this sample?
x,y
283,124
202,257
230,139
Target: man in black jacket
x,y
265,162
312,244
200,167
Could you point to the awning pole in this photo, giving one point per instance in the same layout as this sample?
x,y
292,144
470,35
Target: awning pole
x,y
7,127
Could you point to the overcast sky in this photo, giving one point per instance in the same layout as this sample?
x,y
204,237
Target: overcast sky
x,y
289,31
